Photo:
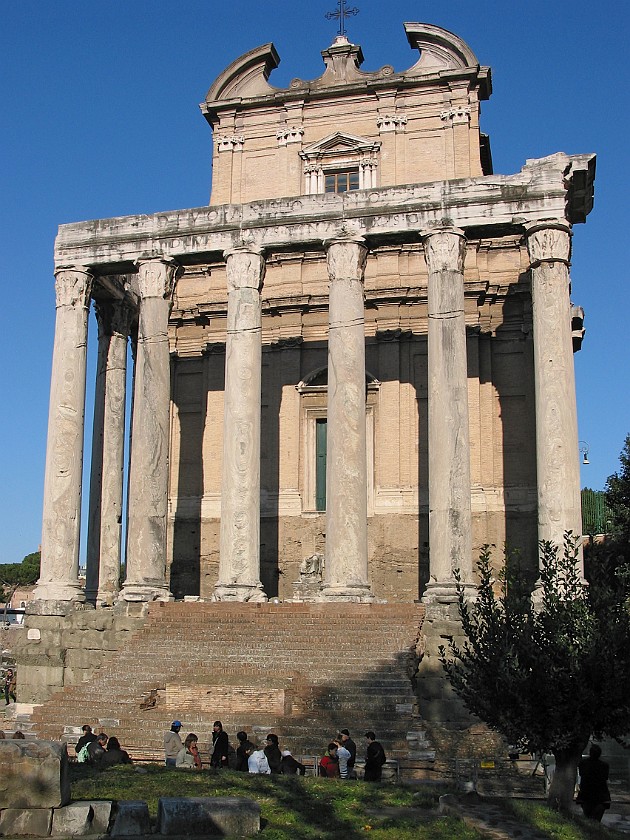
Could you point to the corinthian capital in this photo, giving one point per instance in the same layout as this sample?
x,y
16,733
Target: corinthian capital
x,y
156,277
245,269
444,249
549,241
73,286
114,317
346,258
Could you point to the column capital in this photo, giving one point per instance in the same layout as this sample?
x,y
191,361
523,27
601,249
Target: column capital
x,y
73,285
548,240
346,257
444,249
114,317
156,276
245,268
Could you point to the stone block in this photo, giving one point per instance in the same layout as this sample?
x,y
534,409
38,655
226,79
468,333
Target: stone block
x,y
33,774
101,815
72,820
221,815
132,819
83,659
15,822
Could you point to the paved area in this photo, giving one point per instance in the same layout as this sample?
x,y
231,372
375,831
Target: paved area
x,y
488,817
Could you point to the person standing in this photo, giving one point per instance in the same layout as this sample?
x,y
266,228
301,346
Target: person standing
x,y
349,744
257,763
329,764
375,758
172,744
220,746
343,757
10,686
594,796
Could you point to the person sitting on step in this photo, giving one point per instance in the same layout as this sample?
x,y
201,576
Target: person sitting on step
x,y
329,764
114,754
189,756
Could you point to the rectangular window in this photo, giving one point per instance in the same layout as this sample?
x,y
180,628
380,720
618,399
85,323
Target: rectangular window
x,y
321,429
340,182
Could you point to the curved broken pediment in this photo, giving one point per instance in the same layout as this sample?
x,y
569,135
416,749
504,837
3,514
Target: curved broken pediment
x,y
439,49
247,76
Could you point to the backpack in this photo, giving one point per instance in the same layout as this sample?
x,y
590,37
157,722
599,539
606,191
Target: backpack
x,y
83,754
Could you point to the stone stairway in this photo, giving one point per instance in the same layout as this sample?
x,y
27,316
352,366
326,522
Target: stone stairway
x,y
301,670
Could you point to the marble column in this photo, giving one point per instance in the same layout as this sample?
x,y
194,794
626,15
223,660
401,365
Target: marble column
x,y
557,448
450,521
346,568
59,576
239,560
148,472
108,439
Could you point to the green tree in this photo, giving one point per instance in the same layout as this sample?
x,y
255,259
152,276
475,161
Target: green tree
x,y
550,670
618,500
13,575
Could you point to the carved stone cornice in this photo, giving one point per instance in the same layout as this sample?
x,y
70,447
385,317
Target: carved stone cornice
x,y
548,241
73,286
397,334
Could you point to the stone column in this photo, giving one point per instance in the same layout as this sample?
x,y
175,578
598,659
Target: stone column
x,y
59,576
108,439
148,473
450,521
239,562
346,568
557,448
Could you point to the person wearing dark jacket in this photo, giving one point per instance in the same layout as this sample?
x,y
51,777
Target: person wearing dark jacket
x,y
243,751
87,738
96,749
349,744
273,754
114,754
291,766
594,796
220,746
374,759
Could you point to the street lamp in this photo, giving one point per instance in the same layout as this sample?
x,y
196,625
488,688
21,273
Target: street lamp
x,y
584,451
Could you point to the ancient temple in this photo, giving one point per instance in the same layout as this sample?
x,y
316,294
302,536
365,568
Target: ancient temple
x,y
350,371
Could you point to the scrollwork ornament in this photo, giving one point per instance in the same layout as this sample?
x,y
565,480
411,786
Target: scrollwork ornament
x,y
73,286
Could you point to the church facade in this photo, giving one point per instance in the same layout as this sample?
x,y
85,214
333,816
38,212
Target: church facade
x,y
350,371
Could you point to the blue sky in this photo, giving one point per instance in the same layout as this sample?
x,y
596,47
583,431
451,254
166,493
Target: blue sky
x,y
101,118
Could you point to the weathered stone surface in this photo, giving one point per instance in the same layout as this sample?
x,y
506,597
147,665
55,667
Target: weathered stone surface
x,y
132,819
33,774
72,820
16,822
223,815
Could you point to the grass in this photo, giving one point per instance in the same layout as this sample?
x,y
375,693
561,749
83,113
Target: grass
x,y
294,808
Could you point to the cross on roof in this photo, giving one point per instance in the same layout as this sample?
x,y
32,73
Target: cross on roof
x,y
341,14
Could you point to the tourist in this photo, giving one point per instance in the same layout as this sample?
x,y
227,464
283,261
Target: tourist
x,y
85,739
96,749
272,751
114,754
189,756
375,758
257,763
172,744
19,736
243,751
220,746
593,796
349,744
10,684
329,764
291,766
2,735
343,756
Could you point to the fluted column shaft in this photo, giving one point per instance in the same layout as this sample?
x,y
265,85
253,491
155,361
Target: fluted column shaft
x,y
59,576
108,439
346,568
557,447
239,561
450,539
148,474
